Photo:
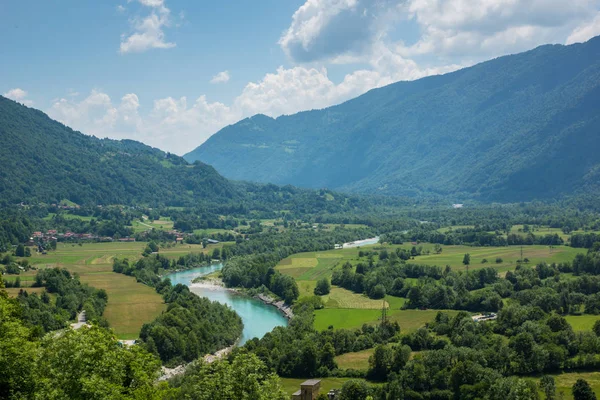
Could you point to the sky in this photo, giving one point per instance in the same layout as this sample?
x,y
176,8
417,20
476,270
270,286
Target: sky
x,y
170,73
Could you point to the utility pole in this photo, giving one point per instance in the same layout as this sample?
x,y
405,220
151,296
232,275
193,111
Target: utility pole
x,y
521,253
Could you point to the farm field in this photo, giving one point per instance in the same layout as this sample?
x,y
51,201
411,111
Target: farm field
x,y
348,318
453,256
130,304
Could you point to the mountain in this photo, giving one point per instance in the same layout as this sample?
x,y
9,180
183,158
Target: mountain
x,y
43,160
515,128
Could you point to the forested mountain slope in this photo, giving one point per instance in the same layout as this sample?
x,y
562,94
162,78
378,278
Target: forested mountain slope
x,y
43,160
519,127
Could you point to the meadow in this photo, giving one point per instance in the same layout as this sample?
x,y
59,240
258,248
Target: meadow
x,y
345,309
130,304
163,223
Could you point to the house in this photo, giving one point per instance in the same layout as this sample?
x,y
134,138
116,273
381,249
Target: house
x,y
212,241
309,390
457,205
337,246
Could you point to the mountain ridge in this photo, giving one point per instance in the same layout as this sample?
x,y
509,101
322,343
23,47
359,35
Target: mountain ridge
x,y
514,128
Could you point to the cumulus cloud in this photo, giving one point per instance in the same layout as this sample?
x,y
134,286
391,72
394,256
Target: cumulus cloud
x,y
585,31
455,28
148,32
450,34
18,95
221,77
450,31
325,29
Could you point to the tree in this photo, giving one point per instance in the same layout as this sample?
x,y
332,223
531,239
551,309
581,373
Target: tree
x,y
548,387
20,251
246,377
582,391
323,287
437,248
354,390
377,292
380,363
467,260
596,328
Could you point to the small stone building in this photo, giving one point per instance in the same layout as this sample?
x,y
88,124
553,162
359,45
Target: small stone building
x,y
309,390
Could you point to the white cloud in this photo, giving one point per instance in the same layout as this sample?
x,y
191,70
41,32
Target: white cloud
x,y
448,31
585,31
18,95
152,3
148,32
121,9
325,29
451,34
221,77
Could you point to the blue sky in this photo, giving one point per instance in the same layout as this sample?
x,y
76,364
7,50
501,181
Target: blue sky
x,y
172,72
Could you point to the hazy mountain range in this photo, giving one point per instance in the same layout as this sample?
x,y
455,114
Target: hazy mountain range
x,y
519,127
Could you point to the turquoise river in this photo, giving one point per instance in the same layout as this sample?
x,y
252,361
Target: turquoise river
x,y
259,318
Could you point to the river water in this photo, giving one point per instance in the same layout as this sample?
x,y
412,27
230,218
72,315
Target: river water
x,y
258,318
364,242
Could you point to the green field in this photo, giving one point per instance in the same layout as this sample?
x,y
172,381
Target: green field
x,y
564,382
358,360
163,223
130,304
68,216
347,318
582,322
453,256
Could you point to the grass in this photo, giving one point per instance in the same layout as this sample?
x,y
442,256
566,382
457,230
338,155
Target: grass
x,y
163,223
358,360
130,304
453,256
68,216
343,298
409,320
291,385
582,322
564,382
345,318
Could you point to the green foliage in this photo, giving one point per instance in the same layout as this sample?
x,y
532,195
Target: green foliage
x,y
88,363
323,287
582,391
246,377
501,130
71,297
299,350
82,364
